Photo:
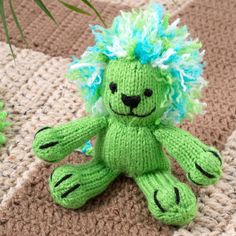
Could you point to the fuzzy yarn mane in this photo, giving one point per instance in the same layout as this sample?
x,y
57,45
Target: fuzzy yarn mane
x,y
145,35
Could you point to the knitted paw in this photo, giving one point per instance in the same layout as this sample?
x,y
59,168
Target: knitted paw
x,y
48,146
206,169
72,185
66,187
174,205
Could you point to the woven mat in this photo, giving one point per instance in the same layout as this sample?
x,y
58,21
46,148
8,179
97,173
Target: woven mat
x,y
37,94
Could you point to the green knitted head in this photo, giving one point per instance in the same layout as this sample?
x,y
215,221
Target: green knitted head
x,y
133,92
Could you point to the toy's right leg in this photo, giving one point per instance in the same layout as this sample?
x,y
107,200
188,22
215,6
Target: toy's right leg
x,y
72,185
169,200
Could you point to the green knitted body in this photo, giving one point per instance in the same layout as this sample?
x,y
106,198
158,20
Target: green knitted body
x,y
130,140
130,149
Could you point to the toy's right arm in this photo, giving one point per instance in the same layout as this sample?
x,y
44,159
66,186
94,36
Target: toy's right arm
x,y
53,144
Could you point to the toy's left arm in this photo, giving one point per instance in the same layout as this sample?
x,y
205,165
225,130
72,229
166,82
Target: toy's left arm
x,y
53,144
201,163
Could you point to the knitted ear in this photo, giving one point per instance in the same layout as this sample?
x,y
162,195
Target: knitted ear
x,y
3,123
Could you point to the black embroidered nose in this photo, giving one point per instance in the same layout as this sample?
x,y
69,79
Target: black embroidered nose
x,y
130,101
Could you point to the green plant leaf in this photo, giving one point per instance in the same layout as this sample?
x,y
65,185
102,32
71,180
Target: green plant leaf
x,y
44,8
95,10
74,8
17,22
4,22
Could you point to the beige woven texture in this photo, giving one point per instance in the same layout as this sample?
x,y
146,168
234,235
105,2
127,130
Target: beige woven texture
x,y
170,5
37,94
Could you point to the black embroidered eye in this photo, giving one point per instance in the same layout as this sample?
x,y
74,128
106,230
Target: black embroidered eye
x,y
113,87
148,92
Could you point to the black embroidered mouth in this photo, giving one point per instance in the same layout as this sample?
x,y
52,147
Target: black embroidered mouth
x,y
133,114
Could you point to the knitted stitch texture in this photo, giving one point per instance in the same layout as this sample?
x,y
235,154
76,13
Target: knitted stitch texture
x,y
130,140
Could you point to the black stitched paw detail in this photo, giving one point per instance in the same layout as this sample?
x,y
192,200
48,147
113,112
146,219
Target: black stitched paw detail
x,y
177,195
72,189
48,145
51,175
208,175
216,154
40,130
205,171
157,202
57,183
65,177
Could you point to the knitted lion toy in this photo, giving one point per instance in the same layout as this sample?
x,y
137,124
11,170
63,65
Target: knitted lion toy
x,y
141,78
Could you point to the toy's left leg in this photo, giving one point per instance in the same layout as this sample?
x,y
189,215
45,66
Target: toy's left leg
x,y
169,200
